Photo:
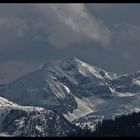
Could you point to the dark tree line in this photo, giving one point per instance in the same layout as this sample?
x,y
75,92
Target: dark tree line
x,y
124,126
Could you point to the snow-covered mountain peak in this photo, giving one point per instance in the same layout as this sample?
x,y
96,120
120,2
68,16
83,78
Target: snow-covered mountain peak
x,y
61,63
76,61
74,66
71,87
90,70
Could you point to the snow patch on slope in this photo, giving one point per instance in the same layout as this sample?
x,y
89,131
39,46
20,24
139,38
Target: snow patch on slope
x,y
66,88
119,94
136,82
82,110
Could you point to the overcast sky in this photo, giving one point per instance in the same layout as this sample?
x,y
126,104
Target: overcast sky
x,y
104,35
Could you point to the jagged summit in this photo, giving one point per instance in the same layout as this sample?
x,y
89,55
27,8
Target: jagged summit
x,y
60,62
75,65
74,59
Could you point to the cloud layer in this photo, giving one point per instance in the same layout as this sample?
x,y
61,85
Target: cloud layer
x,y
59,24
71,23
106,35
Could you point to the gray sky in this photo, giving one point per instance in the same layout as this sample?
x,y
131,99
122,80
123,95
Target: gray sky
x,y
104,35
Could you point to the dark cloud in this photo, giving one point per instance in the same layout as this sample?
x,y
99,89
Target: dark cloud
x,y
116,13
105,35
59,24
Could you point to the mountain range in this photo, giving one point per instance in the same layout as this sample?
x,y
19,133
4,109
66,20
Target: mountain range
x,y
63,96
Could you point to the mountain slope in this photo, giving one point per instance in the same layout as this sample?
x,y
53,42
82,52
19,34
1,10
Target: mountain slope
x,y
80,92
59,85
27,121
